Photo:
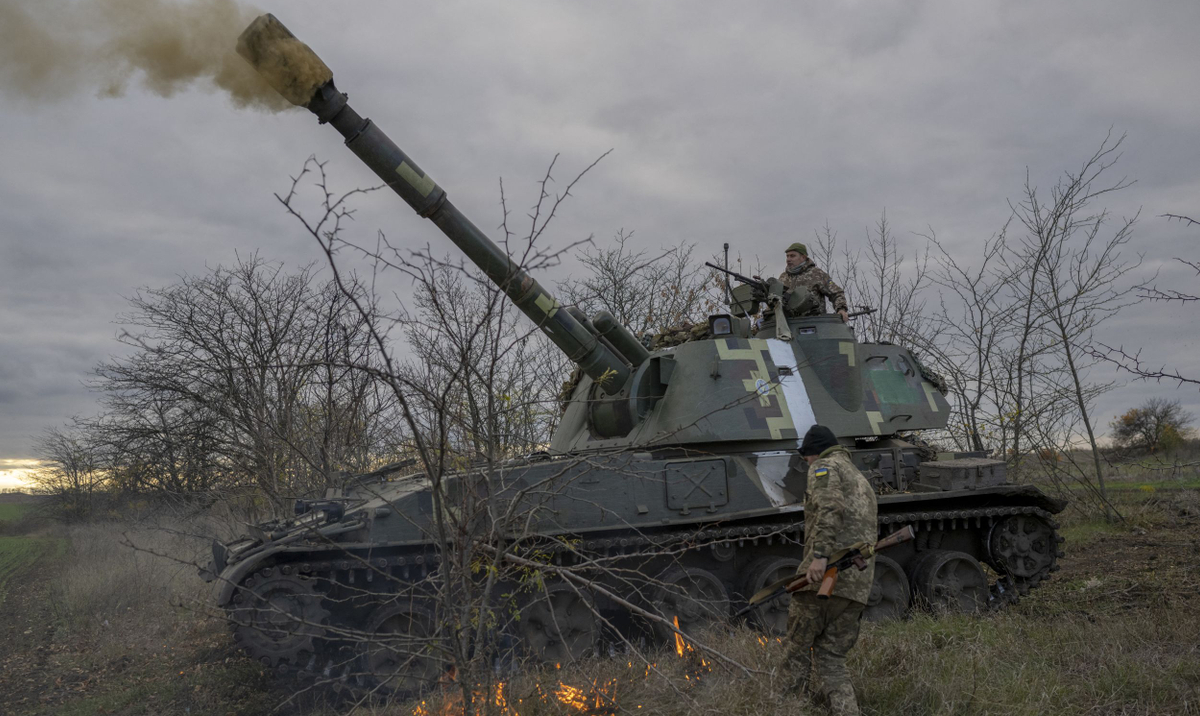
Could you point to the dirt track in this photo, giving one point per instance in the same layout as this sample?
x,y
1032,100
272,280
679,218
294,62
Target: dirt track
x,y
28,679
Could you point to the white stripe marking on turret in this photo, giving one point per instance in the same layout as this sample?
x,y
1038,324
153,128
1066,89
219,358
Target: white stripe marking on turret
x,y
794,393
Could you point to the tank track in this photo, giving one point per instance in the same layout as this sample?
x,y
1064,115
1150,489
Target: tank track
x,y
308,661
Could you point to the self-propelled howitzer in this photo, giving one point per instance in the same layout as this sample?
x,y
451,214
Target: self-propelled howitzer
x,y
678,463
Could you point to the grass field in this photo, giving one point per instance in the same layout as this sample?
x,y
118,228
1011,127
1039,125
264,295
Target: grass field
x,y
1116,631
11,512
109,629
17,552
20,553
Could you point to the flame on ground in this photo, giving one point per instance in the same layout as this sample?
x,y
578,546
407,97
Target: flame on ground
x,y
595,698
680,644
684,648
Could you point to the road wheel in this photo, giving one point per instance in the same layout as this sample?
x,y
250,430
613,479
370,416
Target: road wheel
x,y
696,597
278,618
890,595
559,625
771,617
948,581
1023,547
399,654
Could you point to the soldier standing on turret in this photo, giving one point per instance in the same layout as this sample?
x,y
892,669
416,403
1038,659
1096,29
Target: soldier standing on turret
x,y
839,510
801,271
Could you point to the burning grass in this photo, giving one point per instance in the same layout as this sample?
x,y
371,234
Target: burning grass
x,y
1117,631
595,687
1018,662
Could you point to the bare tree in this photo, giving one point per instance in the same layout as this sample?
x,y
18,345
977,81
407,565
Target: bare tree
x,y
159,443
463,336
472,381
894,289
71,471
449,395
965,339
1010,332
646,292
241,374
1078,269
1132,361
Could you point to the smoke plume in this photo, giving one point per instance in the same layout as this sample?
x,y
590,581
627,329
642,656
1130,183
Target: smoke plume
x,y
52,49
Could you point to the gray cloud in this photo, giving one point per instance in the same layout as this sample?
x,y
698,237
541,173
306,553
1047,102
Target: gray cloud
x,y
752,126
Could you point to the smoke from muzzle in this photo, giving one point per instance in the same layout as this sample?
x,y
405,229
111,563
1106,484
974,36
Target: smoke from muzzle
x,y
53,49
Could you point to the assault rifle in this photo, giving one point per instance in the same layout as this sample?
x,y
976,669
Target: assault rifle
x,y
855,555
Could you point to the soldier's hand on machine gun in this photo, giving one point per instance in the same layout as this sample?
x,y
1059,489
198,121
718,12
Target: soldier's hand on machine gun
x,y
845,316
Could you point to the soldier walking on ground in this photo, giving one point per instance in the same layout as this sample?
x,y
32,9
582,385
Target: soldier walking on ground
x,y
801,271
839,510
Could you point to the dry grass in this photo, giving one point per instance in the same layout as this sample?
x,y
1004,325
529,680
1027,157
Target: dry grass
x,y
1009,663
110,578
140,564
119,624
1116,632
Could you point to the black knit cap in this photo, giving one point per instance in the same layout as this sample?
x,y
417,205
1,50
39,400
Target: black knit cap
x,y
817,440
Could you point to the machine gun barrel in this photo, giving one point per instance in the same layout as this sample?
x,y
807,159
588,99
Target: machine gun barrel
x,y
296,72
757,283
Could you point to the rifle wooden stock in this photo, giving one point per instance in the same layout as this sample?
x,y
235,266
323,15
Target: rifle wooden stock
x,y
827,584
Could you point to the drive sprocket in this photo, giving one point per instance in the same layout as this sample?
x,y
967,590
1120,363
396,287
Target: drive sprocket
x,y
278,618
1025,550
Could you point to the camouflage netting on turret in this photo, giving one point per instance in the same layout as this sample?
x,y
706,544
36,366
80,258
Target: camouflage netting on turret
x,y
933,377
678,335
568,389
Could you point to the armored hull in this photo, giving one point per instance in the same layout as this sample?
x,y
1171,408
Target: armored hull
x,y
715,529
673,486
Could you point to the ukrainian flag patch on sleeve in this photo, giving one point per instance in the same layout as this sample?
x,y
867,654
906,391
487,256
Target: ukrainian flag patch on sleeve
x,y
821,472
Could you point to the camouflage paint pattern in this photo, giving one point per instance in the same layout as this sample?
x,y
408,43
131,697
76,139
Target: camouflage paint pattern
x,y
722,388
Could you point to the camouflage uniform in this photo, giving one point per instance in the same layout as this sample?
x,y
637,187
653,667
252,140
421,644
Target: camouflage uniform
x,y
817,281
839,510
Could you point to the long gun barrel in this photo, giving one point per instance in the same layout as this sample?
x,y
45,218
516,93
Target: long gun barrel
x,y
757,283
296,72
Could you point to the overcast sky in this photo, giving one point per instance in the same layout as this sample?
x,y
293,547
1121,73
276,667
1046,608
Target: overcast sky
x,y
752,123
